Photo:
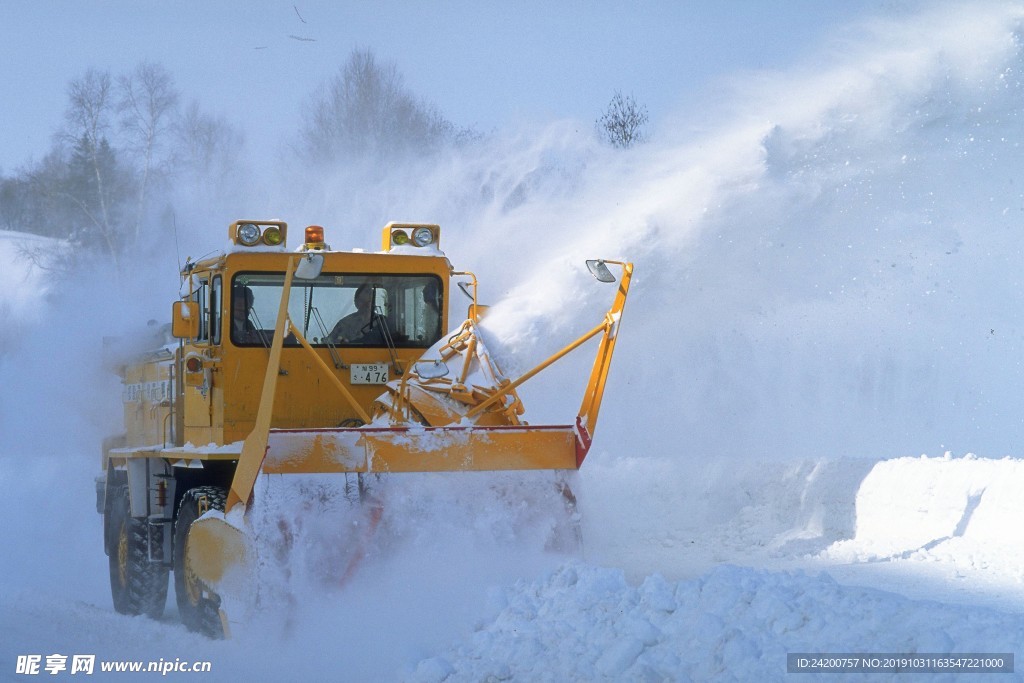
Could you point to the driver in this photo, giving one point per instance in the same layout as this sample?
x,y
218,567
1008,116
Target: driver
x,y
357,327
243,330
431,313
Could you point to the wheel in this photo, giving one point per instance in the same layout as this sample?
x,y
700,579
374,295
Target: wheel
x,y
137,585
198,606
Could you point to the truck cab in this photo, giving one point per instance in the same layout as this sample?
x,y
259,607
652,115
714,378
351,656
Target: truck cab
x,y
366,315
357,320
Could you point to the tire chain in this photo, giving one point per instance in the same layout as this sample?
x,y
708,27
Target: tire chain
x,y
145,590
204,617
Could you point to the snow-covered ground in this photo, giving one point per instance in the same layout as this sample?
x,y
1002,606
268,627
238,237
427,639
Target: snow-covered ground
x,y
827,286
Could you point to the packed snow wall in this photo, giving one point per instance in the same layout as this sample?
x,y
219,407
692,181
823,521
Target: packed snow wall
x,y
967,509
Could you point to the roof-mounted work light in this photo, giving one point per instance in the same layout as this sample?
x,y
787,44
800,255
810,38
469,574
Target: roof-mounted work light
x,y
416,235
258,233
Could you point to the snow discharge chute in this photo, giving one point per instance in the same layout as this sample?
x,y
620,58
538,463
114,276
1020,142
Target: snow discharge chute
x,y
313,376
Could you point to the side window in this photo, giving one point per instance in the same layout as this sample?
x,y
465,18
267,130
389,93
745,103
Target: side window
x,y
216,299
427,311
201,296
416,312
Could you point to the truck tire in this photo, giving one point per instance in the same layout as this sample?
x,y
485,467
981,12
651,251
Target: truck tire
x,y
198,606
137,585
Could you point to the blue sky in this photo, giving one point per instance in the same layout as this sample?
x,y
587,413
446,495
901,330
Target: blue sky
x,y
483,64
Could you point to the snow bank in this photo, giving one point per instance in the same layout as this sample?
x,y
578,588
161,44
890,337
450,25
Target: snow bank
x,y
680,516
965,511
733,624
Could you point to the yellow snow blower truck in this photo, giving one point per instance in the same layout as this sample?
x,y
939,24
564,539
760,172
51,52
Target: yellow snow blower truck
x,y
288,374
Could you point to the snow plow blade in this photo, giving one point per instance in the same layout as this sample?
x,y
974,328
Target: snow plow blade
x,y
423,449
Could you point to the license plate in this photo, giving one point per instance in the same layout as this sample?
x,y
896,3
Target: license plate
x,y
369,373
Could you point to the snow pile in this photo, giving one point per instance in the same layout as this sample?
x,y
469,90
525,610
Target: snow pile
x,y
680,516
734,624
965,511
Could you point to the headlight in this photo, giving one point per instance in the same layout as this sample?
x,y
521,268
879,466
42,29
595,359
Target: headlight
x,y
421,237
411,235
253,233
248,234
273,236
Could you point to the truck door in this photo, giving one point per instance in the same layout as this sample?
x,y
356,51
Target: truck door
x,y
198,387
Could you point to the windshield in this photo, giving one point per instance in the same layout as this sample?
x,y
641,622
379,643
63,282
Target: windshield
x,y
339,309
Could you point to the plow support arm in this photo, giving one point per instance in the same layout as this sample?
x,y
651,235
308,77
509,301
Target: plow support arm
x,y
255,446
586,421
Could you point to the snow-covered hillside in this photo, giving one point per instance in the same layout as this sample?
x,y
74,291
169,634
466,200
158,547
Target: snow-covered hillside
x,y
827,286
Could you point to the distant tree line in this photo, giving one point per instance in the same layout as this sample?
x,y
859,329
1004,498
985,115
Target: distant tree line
x,y
122,139
128,139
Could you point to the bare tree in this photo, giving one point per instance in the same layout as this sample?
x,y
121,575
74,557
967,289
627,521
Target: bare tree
x,y
205,145
621,123
14,203
107,175
44,194
89,105
147,104
88,119
366,110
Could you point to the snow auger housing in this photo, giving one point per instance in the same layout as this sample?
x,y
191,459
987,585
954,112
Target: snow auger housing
x,y
311,361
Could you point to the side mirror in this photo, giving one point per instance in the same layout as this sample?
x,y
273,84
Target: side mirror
x,y
185,319
599,269
430,369
309,267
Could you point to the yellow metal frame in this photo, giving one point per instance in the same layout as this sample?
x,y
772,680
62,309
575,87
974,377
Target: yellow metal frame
x,y
409,447
586,420
255,446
